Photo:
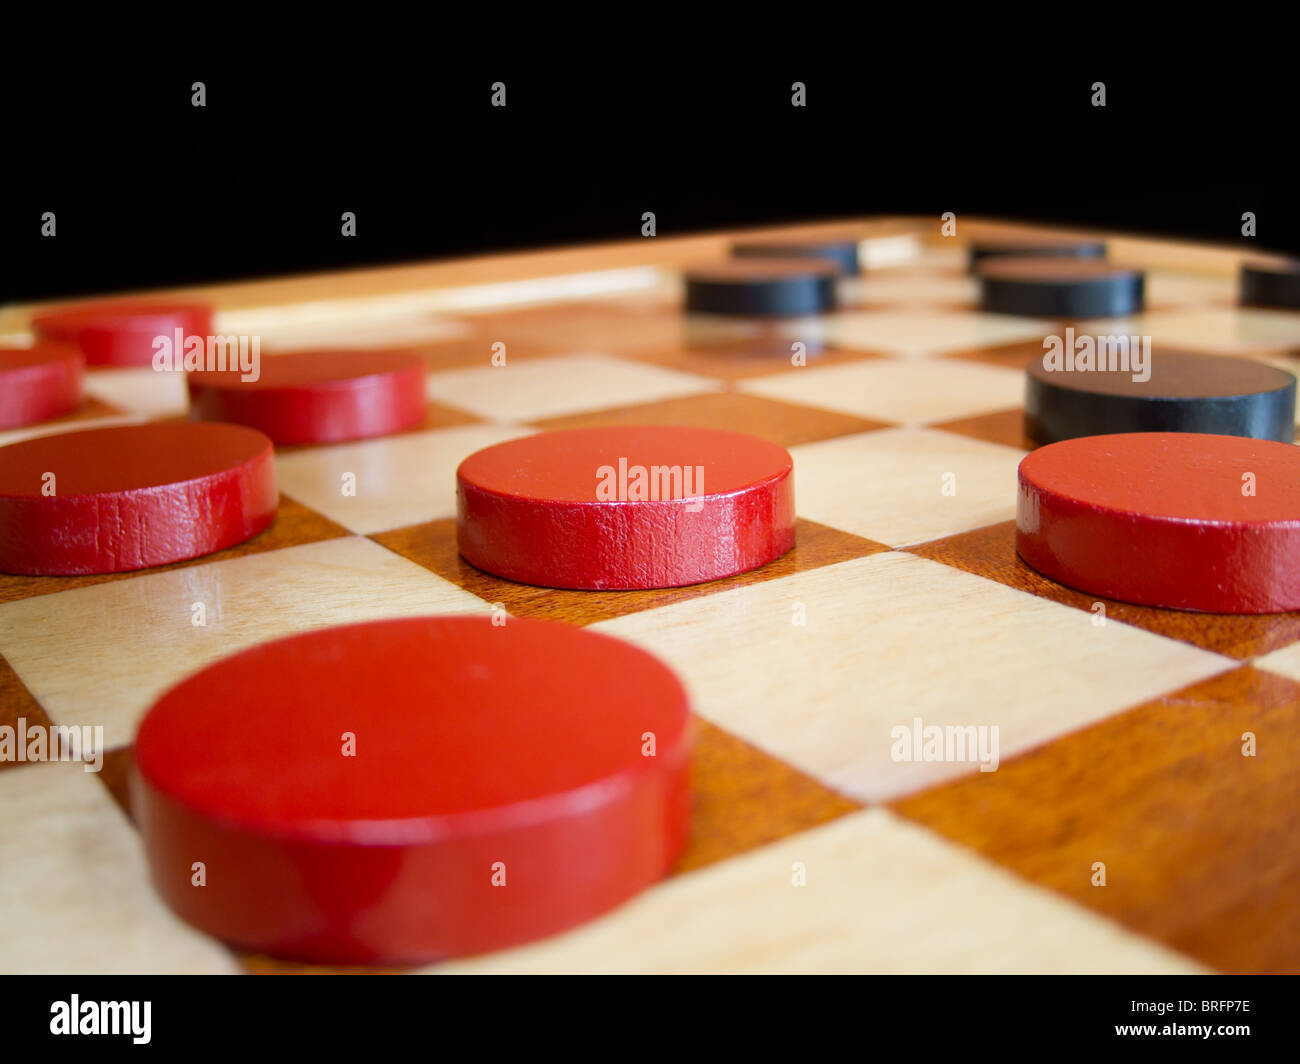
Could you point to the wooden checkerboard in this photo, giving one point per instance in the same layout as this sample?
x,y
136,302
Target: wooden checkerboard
x,y
813,849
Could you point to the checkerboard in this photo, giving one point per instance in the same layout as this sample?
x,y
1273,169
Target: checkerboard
x,y
1123,829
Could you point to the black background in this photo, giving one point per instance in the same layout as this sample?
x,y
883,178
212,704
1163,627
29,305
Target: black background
x,y
150,191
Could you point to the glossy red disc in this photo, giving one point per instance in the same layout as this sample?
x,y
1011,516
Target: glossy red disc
x,y
403,791
38,383
318,396
626,507
122,333
132,496
1181,520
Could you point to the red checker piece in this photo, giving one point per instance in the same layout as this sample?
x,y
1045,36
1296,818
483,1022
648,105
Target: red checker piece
x,y
1181,520
122,333
408,790
317,396
39,383
114,499
626,507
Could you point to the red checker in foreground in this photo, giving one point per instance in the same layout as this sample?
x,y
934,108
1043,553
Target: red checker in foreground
x,y
317,396
404,791
39,383
122,333
625,507
1181,520
132,496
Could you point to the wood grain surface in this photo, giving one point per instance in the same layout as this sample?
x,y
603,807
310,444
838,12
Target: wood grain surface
x,y
991,552
1201,843
433,546
1120,747
294,525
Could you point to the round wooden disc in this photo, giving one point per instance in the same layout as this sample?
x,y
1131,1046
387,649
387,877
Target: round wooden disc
x,y
1029,245
408,790
317,396
1183,392
840,251
1180,520
38,383
1059,287
122,333
625,507
132,496
762,286
1274,283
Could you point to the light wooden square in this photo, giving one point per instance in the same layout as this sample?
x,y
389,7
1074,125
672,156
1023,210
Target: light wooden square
x,y
399,480
819,668
1188,289
888,390
1216,330
141,390
918,333
889,485
570,384
375,323
134,638
880,895
1285,661
889,249
950,255
75,894
910,289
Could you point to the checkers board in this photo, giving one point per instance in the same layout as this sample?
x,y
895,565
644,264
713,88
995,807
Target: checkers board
x,y
1121,826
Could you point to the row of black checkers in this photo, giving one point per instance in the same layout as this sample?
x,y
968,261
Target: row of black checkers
x,y
1102,384
1031,276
